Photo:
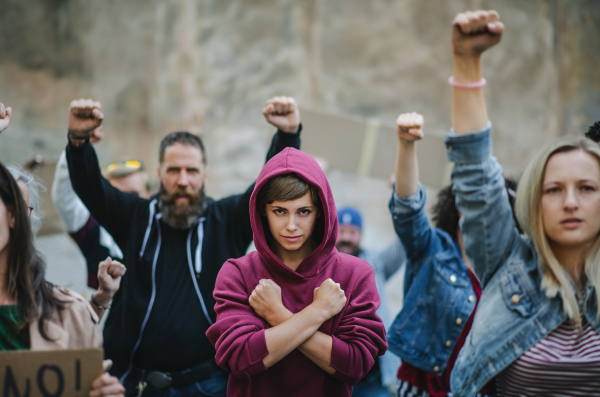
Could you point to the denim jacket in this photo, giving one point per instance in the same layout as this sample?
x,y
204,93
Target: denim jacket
x,y
438,294
514,312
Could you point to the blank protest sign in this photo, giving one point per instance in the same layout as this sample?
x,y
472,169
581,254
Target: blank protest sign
x,y
367,147
60,373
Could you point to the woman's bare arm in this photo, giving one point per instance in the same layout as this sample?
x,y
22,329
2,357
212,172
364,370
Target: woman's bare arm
x,y
472,34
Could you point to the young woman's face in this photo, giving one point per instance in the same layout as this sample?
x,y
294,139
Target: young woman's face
x,y
571,199
292,222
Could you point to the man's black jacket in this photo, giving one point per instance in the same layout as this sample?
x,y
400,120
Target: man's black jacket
x,y
130,334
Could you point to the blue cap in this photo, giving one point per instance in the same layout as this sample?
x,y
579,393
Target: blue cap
x,y
349,216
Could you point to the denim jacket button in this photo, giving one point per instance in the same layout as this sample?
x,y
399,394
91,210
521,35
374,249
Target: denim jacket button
x,y
453,278
459,321
515,298
471,298
436,368
448,343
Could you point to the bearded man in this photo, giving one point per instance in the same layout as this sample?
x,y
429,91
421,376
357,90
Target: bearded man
x,y
173,245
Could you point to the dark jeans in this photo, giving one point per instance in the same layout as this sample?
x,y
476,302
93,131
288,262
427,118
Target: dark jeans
x,y
370,386
215,386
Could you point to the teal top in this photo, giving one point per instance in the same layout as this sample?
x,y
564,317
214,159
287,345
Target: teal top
x,y
13,335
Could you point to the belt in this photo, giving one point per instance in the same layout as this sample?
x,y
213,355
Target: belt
x,y
162,380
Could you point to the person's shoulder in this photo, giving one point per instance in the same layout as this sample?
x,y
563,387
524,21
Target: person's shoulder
x,y
76,306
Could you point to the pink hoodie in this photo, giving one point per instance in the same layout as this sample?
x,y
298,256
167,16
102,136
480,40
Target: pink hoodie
x,y
238,335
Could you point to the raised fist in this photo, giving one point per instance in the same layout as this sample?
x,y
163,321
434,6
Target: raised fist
x,y
109,276
85,116
5,115
473,32
266,301
410,126
283,113
329,297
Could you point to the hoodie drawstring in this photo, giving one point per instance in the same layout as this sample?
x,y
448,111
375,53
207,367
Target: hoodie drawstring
x,y
198,264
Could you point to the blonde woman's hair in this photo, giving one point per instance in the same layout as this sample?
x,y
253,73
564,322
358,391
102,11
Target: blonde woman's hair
x,y
555,281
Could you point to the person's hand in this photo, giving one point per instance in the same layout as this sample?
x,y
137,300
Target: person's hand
x,y
96,135
410,127
266,301
85,116
329,298
5,114
107,385
473,32
283,113
109,279
109,275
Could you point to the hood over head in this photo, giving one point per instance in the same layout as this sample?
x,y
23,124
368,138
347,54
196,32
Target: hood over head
x,y
288,161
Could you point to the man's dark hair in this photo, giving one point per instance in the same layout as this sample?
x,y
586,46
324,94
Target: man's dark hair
x,y
445,215
594,132
183,137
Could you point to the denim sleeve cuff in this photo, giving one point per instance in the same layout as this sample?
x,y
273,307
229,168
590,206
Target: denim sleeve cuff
x,y
407,205
473,147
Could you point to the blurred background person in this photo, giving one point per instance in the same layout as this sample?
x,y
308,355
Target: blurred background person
x,y
386,262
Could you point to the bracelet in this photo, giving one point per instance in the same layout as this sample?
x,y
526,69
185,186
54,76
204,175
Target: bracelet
x,y
97,305
470,86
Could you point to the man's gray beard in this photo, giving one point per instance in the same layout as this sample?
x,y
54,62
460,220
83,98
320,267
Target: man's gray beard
x,y
178,218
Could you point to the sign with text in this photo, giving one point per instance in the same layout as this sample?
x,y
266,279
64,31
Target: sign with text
x,y
59,373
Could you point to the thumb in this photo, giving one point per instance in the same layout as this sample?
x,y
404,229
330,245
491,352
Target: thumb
x,y
106,365
8,112
97,114
268,109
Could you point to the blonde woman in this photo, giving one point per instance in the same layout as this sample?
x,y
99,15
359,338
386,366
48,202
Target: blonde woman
x,y
536,331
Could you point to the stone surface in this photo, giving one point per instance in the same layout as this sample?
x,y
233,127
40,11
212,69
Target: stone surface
x,y
209,65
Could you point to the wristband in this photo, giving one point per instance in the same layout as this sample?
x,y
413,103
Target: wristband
x,y
76,140
469,86
97,305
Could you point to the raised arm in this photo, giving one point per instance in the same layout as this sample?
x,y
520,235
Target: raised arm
x,y
407,204
282,113
472,34
410,130
112,208
488,230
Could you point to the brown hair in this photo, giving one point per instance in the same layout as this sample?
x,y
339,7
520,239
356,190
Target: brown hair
x,y
285,187
26,270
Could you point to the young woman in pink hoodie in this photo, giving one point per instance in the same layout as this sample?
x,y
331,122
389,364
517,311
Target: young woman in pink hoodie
x,y
296,317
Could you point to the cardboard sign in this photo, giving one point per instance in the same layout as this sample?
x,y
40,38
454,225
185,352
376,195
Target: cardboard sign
x,y
367,147
60,373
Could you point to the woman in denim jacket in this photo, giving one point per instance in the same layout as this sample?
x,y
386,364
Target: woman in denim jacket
x,y
441,290
536,331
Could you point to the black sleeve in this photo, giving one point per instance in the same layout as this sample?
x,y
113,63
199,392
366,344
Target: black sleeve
x,y
113,209
281,140
239,206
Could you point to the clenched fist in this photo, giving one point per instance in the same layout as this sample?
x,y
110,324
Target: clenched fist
x,y
109,275
283,113
410,127
473,32
266,301
5,115
329,297
85,116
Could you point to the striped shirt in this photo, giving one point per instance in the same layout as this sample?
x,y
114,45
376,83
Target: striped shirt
x,y
564,363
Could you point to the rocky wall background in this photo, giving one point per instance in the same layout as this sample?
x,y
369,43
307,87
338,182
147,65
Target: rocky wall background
x,y
163,65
